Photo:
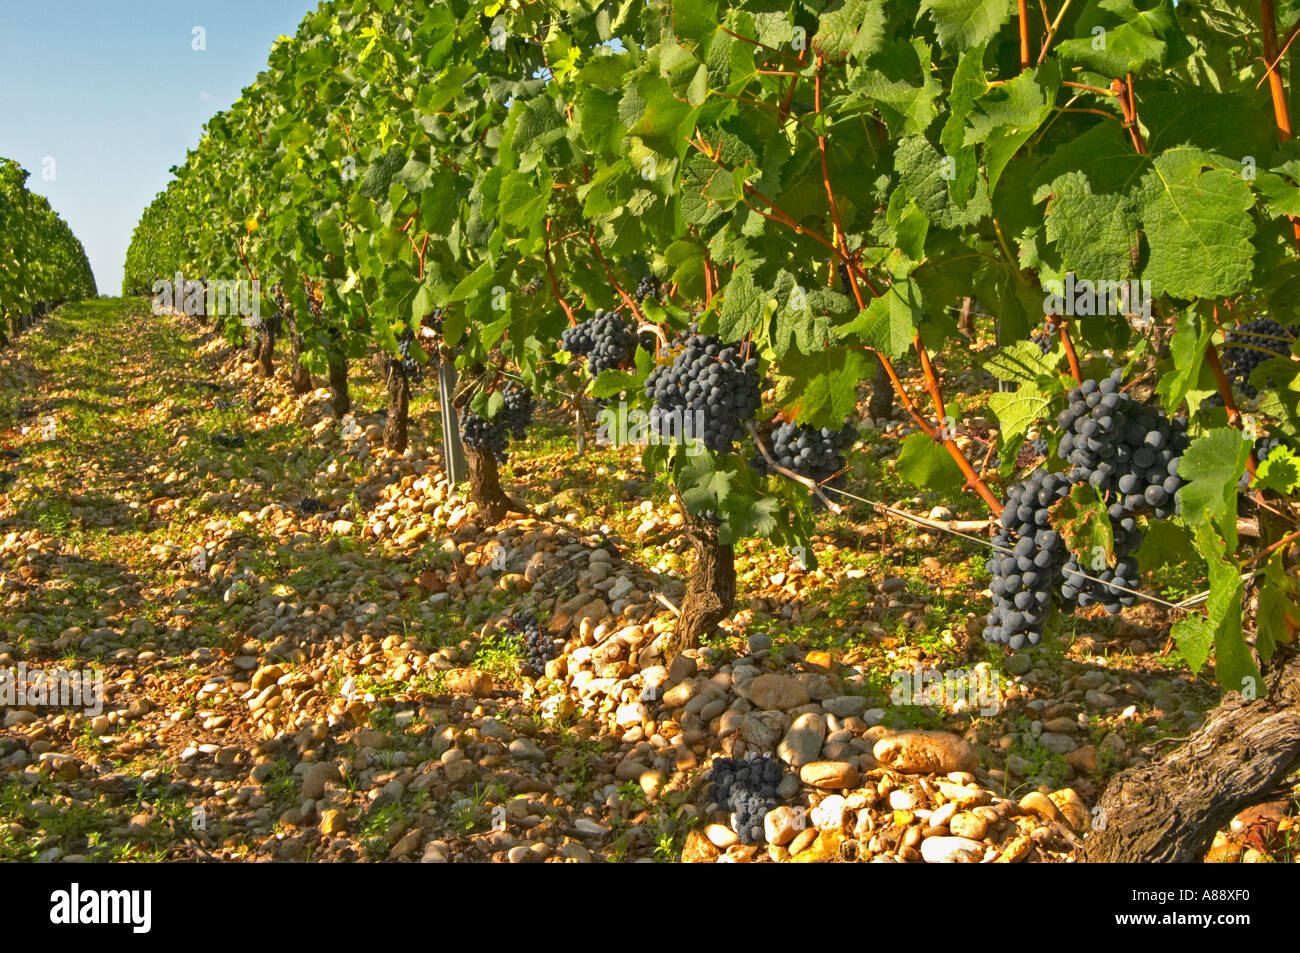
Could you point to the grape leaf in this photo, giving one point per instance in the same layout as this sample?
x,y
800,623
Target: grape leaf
x,y
928,465
1018,410
1193,636
1280,473
1211,467
1083,522
1021,362
1197,224
962,24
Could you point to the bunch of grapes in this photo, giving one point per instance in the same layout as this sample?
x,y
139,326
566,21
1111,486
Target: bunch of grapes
x,y
310,506
484,436
1129,453
1045,337
1250,345
518,411
815,453
708,382
1028,561
534,285
606,341
433,320
413,368
538,647
648,287
747,788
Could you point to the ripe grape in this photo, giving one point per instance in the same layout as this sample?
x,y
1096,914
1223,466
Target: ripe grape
x,y
606,341
647,287
484,436
747,789
1250,345
709,383
537,646
413,368
811,452
1129,453
517,413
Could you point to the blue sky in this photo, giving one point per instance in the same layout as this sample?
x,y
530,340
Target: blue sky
x,y
114,92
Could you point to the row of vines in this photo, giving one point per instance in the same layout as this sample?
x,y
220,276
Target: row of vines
x,y
42,264
747,211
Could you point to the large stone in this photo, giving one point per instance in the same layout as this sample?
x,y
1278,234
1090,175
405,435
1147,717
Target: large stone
x,y
830,775
926,752
777,691
698,849
1072,808
782,824
803,742
468,681
845,706
1040,805
762,729
951,850
1057,743
315,777
721,837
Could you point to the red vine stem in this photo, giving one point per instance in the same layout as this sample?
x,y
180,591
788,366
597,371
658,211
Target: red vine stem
x,y
550,273
1023,9
1281,113
627,299
1064,331
931,381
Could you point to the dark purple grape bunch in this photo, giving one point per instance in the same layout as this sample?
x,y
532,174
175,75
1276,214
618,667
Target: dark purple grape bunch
x,y
1045,337
411,366
537,647
648,287
747,788
708,391
484,436
813,452
605,340
1251,344
517,413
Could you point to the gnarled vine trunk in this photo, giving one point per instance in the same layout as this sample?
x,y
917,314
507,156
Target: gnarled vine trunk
x,y
338,374
399,398
265,366
1168,809
711,588
485,487
299,376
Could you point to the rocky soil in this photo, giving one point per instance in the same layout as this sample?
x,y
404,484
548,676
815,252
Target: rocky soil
x,y
303,656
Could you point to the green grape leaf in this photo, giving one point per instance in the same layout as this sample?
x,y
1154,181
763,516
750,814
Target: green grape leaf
x,y
928,465
1280,473
962,24
1197,223
1022,363
1019,410
1194,636
1211,467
